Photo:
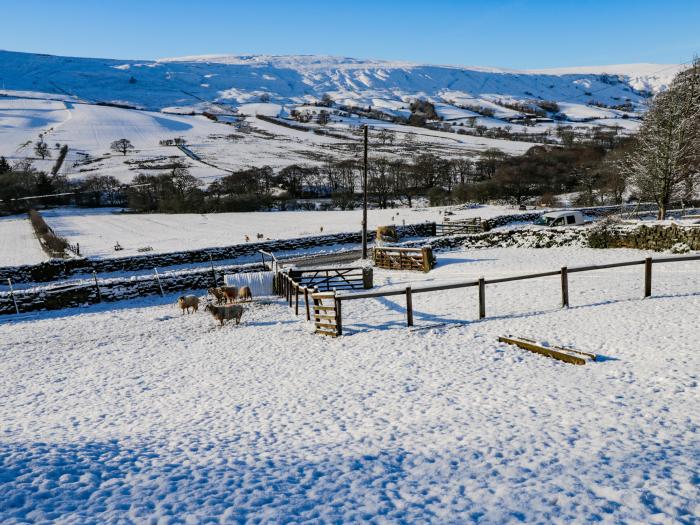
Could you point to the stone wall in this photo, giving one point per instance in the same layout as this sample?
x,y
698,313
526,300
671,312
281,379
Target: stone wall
x,y
519,238
110,290
63,268
658,237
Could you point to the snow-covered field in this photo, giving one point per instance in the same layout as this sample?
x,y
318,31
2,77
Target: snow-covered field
x,y
97,230
67,101
18,244
132,412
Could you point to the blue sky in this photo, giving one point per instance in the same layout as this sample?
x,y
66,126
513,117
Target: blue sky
x,y
513,33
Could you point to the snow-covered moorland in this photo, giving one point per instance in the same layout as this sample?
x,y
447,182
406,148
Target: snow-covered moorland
x,y
221,106
132,412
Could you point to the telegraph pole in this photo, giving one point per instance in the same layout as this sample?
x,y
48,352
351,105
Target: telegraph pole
x,y
364,200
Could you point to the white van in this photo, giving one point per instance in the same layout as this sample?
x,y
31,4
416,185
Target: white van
x,y
561,218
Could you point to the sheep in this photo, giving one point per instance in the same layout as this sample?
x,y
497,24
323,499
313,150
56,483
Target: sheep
x,y
185,302
218,294
222,313
244,294
230,293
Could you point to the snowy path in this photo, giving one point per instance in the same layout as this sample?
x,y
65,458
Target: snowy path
x,y
18,244
140,413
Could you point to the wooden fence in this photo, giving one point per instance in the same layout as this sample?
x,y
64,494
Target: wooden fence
x,y
389,258
482,282
308,284
460,227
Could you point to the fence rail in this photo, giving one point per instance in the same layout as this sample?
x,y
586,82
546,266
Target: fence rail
x,y
459,227
482,282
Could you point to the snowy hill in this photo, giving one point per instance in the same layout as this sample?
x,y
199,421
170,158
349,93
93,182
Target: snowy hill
x,y
249,101
294,79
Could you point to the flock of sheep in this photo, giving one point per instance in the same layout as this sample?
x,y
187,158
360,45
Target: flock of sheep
x,y
225,308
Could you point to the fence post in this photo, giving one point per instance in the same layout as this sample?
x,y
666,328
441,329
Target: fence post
x,y
213,272
564,287
306,302
409,306
647,277
427,253
338,317
12,295
296,295
158,279
367,278
97,287
482,298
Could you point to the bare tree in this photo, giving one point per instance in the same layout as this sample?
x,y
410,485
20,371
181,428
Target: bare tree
x,y
665,163
323,118
122,146
42,150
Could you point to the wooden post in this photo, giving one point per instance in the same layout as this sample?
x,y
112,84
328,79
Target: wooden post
x,y
427,253
306,302
12,295
364,196
97,286
482,298
213,272
296,295
158,279
564,287
338,317
367,278
409,306
647,277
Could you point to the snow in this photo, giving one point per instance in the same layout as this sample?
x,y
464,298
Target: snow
x,y
133,412
97,230
59,97
582,111
21,121
18,242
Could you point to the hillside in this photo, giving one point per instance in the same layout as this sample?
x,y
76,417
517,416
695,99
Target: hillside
x,y
72,101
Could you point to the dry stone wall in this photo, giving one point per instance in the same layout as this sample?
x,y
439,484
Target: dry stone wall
x,y
63,268
110,290
656,237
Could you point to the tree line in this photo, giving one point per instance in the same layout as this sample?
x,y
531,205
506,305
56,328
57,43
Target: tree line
x,y
539,174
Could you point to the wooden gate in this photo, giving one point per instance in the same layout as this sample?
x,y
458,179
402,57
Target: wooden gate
x,y
326,314
420,259
351,278
463,226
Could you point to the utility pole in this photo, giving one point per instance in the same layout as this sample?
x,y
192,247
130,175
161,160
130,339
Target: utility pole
x,y
364,200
